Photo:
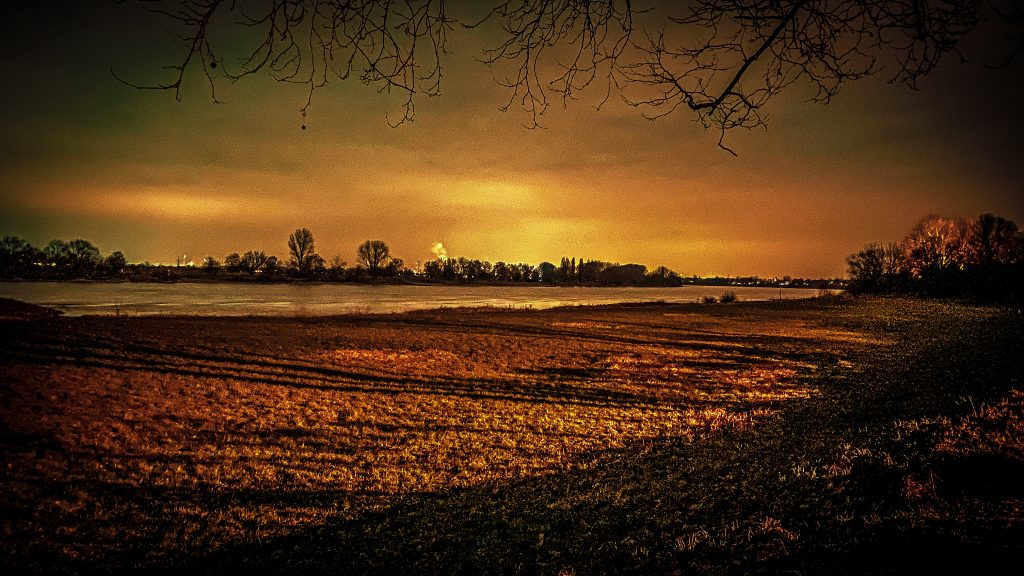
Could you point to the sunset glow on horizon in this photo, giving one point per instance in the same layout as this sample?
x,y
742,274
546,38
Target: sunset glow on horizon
x,y
88,157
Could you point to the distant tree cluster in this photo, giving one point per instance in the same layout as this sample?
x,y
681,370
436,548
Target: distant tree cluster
x,y
303,258
58,260
600,273
374,262
373,257
980,259
759,282
465,270
571,271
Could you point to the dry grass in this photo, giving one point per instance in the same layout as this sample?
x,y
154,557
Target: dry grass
x,y
147,441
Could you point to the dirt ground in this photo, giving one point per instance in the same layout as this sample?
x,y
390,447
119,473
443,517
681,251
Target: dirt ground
x,y
430,440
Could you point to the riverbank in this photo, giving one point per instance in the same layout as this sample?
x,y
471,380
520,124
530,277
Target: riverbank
x,y
834,284
829,435
126,299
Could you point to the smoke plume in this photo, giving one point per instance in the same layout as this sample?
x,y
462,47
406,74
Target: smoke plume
x,y
439,251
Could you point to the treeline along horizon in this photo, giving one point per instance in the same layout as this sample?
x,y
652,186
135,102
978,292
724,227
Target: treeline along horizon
x,y
80,259
980,259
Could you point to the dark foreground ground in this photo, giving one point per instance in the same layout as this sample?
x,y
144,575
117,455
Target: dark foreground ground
x,y
834,436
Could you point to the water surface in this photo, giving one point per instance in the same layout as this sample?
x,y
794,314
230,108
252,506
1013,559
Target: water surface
x,y
242,299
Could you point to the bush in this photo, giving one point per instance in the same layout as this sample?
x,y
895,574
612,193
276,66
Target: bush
x,y
709,299
728,298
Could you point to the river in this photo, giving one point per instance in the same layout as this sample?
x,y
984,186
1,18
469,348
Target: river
x,y
243,299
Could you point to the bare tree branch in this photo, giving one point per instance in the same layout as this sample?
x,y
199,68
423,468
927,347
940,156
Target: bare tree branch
x,y
722,60
729,58
559,47
394,46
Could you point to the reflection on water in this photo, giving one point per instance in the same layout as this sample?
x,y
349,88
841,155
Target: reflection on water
x,y
237,299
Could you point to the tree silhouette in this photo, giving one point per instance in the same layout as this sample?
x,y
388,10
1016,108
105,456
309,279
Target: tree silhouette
x,y
867,269
547,272
115,263
722,60
74,259
17,257
623,275
395,267
302,251
57,253
982,259
936,245
993,240
663,276
271,266
253,261
373,255
336,269
995,259
233,262
211,265
566,270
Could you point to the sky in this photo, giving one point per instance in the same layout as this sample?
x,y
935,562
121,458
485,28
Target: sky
x,y
84,156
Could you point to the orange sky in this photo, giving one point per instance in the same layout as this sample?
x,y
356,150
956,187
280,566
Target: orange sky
x,y
84,156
